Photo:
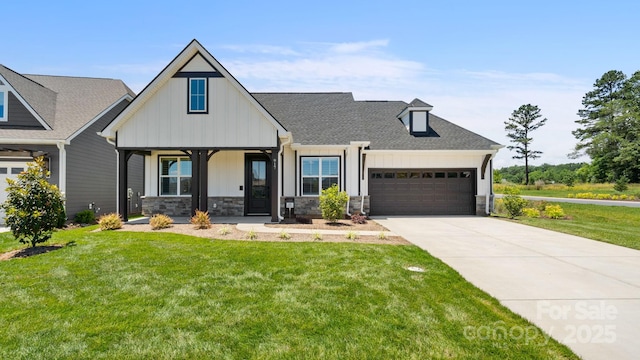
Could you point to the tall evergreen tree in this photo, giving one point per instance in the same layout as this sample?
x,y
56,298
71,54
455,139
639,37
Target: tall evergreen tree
x,y
522,122
609,131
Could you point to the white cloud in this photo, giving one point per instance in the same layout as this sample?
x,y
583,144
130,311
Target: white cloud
x,y
262,49
355,47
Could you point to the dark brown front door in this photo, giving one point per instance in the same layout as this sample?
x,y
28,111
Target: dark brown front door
x,y
257,185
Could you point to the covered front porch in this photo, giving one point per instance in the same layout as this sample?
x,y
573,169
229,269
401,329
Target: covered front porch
x,y
223,181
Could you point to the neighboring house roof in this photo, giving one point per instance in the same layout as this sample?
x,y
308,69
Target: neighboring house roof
x,y
65,103
337,119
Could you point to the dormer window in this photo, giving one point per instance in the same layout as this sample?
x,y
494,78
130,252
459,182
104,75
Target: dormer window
x,y
197,95
415,118
419,123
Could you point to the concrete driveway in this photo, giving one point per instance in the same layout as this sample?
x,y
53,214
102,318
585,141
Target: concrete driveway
x,y
584,293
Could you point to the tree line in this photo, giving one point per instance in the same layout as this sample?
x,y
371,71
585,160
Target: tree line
x,y
608,132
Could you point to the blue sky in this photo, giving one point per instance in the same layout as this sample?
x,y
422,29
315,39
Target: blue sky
x,y
475,62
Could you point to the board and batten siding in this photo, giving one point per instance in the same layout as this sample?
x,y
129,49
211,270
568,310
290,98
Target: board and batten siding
x,y
92,169
232,121
436,160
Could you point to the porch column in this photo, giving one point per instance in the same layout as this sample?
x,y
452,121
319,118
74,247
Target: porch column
x,y
123,203
204,180
274,184
195,180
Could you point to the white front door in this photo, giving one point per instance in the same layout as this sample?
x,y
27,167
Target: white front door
x,y
9,170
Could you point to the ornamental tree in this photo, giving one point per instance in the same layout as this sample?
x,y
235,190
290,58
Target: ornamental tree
x,y
34,207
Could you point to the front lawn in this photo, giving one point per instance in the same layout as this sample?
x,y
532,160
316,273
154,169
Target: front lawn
x,y
613,224
158,296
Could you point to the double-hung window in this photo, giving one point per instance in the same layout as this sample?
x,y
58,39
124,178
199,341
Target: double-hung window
x,y
319,173
175,176
197,95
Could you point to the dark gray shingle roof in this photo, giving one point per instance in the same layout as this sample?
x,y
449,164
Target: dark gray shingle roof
x,y
336,118
65,103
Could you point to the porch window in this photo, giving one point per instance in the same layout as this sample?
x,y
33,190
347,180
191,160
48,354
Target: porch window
x,y
175,176
319,173
197,95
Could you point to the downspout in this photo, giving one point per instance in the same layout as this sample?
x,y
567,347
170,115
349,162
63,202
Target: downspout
x,y
344,168
281,182
62,168
117,170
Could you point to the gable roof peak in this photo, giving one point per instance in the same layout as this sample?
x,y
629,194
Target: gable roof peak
x,y
419,103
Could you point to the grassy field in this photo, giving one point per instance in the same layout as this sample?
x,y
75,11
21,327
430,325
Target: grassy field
x,y
151,296
613,224
563,191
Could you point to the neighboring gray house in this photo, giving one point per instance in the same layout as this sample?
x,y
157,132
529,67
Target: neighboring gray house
x,y
58,117
209,144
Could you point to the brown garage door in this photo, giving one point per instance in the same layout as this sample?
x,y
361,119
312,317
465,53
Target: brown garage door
x,y
422,191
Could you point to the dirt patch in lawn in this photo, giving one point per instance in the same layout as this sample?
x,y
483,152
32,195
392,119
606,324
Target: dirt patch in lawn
x,y
232,233
322,224
30,251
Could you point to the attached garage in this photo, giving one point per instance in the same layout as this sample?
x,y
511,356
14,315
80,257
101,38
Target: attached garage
x,y
8,170
422,191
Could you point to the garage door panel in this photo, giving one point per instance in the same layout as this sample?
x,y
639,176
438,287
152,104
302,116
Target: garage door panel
x,y
422,191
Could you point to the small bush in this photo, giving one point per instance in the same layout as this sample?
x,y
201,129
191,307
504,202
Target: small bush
x,y
603,196
317,236
85,217
513,202
333,203
351,235
498,206
224,230
540,205
201,220
358,219
160,221
252,235
110,222
554,211
531,212
622,184
382,235
284,235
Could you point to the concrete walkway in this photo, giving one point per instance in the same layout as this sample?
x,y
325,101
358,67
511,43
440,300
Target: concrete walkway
x,y
584,293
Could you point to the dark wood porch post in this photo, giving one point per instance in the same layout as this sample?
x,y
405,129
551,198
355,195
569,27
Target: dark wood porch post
x,y
195,177
204,180
275,211
123,159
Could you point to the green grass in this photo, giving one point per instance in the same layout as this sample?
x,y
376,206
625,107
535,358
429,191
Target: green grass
x,y
161,296
563,191
613,224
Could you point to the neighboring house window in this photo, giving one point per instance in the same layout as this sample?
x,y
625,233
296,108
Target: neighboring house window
x,y
3,105
197,95
175,176
319,173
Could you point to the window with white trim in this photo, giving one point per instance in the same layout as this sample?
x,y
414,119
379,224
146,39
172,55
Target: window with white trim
x,y
3,104
197,95
175,176
319,173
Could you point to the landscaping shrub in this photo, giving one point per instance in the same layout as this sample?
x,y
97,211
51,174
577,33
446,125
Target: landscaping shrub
x,y
317,236
34,207
224,230
160,221
110,222
358,219
85,217
513,202
622,184
351,235
531,212
333,203
554,211
284,235
498,206
252,235
201,220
